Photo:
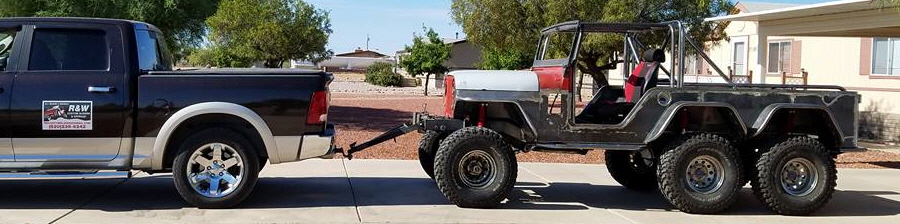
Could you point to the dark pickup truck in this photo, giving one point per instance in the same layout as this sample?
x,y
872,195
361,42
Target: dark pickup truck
x,y
93,98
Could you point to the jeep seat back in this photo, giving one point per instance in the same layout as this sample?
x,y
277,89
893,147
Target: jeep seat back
x,y
644,75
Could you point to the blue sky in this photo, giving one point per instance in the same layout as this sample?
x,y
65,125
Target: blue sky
x,y
391,23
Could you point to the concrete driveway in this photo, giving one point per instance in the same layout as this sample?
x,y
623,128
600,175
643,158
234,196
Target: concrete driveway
x,y
380,191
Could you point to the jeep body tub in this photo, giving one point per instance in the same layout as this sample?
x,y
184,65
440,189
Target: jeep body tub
x,y
698,143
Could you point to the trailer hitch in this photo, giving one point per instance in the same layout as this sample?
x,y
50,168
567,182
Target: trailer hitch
x,y
390,134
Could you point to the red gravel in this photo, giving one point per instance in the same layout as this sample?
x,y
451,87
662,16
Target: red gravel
x,y
360,117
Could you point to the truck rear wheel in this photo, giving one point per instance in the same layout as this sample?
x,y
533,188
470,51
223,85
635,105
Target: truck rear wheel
x,y
700,174
795,177
215,168
475,168
428,146
630,169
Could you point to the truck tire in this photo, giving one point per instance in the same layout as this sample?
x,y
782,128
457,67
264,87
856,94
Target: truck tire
x,y
215,168
475,168
700,174
428,146
795,177
629,169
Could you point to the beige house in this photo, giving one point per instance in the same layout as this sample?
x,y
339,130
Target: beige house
x,y
850,43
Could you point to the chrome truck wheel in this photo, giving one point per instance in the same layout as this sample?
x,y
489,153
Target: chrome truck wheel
x,y
215,168
797,176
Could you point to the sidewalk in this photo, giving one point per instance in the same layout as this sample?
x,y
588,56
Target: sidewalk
x,y
381,191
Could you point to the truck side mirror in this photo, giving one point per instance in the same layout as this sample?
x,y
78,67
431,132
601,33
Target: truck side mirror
x,y
3,63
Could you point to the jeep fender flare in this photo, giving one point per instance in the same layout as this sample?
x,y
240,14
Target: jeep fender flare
x,y
765,117
669,114
520,110
174,121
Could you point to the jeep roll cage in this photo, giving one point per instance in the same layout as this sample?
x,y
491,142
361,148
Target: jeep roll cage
x,y
676,33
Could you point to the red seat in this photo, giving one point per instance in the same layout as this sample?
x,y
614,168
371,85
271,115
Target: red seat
x,y
644,75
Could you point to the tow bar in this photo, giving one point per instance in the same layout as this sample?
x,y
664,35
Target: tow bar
x,y
390,134
420,122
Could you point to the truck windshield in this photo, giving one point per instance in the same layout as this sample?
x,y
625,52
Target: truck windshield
x,y
152,52
556,46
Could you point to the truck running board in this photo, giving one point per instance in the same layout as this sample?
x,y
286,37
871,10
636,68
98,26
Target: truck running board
x,y
50,175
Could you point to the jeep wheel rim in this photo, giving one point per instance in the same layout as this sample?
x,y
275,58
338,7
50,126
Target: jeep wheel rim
x,y
215,170
799,177
477,169
705,174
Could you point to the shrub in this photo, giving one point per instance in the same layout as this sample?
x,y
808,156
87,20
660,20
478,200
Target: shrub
x,y
382,74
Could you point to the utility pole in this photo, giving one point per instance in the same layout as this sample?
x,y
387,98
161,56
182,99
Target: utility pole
x,y
367,41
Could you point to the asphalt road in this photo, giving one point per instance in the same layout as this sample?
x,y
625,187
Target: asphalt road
x,y
381,191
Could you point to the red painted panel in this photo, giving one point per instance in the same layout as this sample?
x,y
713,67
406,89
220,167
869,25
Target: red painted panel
x,y
553,77
449,86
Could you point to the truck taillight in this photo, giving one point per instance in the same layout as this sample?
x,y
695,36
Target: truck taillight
x,y
318,108
448,96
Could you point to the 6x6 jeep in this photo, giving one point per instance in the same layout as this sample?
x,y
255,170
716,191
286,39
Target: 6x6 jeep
x,y
697,143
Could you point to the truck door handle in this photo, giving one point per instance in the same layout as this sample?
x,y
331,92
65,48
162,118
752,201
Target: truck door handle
x,y
101,89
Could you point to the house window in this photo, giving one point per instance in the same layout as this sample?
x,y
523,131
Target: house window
x,y
740,57
779,56
886,56
694,65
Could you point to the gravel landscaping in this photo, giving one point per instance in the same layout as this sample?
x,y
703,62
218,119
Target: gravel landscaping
x,y
353,83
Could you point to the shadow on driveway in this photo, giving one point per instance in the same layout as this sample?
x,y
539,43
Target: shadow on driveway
x,y
158,192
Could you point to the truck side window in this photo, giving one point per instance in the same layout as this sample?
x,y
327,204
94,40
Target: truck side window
x,y
69,50
152,52
6,43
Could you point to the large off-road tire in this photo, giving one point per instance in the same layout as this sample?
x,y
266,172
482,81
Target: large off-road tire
x,y
795,177
215,168
428,147
630,170
700,174
475,168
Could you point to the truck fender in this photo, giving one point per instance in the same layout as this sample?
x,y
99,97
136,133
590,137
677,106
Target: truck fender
x,y
169,127
764,118
668,116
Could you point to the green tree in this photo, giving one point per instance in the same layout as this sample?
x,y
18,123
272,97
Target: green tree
x,y
497,59
271,31
426,56
218,57
514,26
887,3
180,20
